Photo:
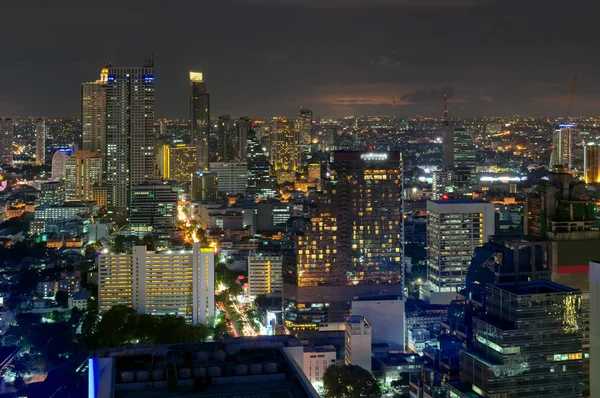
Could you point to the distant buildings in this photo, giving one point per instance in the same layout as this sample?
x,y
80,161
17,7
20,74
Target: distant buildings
x,y
284,146
243,127
7,131
304,126
228,141
454,229
159,283
562,153
83,171
200,118
358,342
40,141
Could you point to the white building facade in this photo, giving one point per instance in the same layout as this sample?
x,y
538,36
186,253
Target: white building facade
x,y
159,283
454,229
358,342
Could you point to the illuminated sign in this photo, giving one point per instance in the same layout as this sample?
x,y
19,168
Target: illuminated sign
x,y
374,156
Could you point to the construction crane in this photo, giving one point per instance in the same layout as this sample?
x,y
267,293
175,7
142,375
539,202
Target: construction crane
x,y
573,85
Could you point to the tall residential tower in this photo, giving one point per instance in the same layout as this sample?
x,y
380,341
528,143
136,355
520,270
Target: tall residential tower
x,y
7,136
130,156
200,118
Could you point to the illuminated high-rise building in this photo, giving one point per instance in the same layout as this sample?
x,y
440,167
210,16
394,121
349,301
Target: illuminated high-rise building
x,y
159,283
591,162
233,176
177,162
284,146
129,131
454,229
561,213
83,170
93,115
304,126
205,186
352,245
465,163
200,118
40,141
7,137
562,152
153,211
228,142
528,343
243,126
260,182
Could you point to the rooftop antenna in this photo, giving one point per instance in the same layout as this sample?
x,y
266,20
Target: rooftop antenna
x,y
445,111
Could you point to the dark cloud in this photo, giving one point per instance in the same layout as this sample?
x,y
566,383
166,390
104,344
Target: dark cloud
x,y
268,57
421,96
367,3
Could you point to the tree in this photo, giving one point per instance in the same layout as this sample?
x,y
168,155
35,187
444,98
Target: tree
x,y
171,329
349,381
117,327
62,298
199,332
146,325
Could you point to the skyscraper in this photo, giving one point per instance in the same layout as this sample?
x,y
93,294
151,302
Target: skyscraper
x,y
243,127
527,344
228,142
454,229
7,136
562,141
260,182
352,245
284,146
93,115
129,131
304,125
591,162
83,171
465,163
200,118
40,141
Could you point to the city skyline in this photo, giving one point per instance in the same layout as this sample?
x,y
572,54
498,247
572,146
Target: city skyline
x,y
394,57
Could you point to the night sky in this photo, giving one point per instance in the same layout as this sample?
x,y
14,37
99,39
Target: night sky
x,y
341,57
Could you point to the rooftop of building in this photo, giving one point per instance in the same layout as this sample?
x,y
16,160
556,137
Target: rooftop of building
x,y
82,295
247,366
320,348
458,201
356,319
533,287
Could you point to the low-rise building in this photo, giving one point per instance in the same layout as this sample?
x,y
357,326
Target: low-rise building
x,y
80,300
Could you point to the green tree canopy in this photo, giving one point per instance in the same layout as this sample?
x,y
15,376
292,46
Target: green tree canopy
x,y
349,381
